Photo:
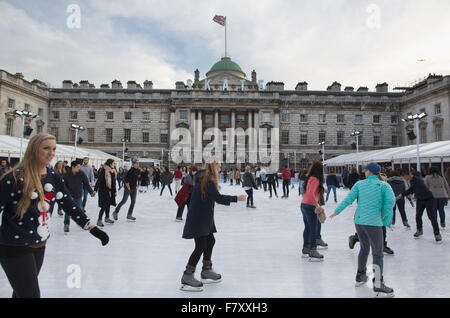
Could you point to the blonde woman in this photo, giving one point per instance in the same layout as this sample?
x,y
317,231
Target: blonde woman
x,y
200,224
27,194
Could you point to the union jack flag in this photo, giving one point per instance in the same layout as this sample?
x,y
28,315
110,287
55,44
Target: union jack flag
x,y
220,19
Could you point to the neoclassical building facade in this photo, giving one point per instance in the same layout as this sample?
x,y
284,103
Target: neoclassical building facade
x,y
226,98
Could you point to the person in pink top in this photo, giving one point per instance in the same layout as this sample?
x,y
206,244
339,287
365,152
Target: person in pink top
x,y
313,185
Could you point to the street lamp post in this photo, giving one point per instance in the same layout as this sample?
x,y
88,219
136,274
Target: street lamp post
x,y
76,128
323,155
416,118
123,150
357,134
24,115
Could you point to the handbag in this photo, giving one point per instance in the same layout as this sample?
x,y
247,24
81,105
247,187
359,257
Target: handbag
x,y
321,215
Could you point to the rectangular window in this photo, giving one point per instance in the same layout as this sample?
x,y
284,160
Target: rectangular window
x,y
164,116
109,115
26,107
266,117
145,137
73,115
127,134
224,119
54,131
285,117
109,135
39,129
164,136
394,119
423,135
55,114
340,138
438,132
91,115
183,115
72,134
285,137
304,138
11,103
209,119
358,119
240,118
9,126
146,115
41,113
340,118
322,118
376,119
437,109
303,118
322,136
127,115
91,134
376,139
394,140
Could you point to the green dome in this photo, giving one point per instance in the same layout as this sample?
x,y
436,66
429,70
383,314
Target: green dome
x,y
226,64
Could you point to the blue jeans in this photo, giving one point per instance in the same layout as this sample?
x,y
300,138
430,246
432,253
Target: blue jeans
x,y
301,182
78,201
331,187
439,205
312,225
85,196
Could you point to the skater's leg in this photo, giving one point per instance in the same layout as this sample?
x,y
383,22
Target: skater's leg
x,y
107,212
334,192
306,231
22,266
401,209
162,189
375,234
440,206
420,208
133,194
170,189
200,246
384,236
432,215
251,197
311,217
328,193
126,194
248,197
364,245
210,241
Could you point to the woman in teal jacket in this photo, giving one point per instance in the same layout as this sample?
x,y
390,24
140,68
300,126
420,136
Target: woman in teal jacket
x,y
375,210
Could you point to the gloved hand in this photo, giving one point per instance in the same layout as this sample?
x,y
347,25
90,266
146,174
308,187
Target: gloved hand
x,y
102,236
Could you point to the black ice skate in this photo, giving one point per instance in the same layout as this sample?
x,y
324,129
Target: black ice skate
x,y
443,225
208,276
381,290
321,244
315,256
179,220
100,223
388,250
115,215
305,251
405,223
66,228
361,278
352,240
109,221
131,218
418,234
438,238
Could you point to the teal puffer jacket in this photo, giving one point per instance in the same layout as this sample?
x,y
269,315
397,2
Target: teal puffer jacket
x,y
375,202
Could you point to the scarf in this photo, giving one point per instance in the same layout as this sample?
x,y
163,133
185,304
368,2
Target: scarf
x,y
108,172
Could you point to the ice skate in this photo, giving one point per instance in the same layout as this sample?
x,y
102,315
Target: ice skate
x,y
179,220
388,250
382,291
100,223
131,218
66,229
208,276
443,225
418,234
315,256
361,278
115,216
321,244
438,238
305,251
189,283
252,207
109,221
405,223
352,240
60,213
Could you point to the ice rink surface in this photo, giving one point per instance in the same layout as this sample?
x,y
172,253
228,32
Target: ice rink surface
x,y
257,251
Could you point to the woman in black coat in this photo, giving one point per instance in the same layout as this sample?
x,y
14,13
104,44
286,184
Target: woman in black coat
x,y
353,177
106,189
200,224
145,178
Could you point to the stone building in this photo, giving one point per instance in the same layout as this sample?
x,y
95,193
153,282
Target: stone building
x,y
226,98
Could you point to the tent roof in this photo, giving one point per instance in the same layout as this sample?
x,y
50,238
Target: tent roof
x,y
435,150
10,146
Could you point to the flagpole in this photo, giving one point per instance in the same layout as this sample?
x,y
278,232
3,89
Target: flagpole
x,y
225,36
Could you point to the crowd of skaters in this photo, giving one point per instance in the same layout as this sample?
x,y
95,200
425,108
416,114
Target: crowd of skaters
x,y
375,188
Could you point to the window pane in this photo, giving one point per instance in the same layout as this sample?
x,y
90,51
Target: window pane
x,y
109,115
303,118
322,136
358,119
340,118
91,115
304,139
224,119
91,134
145,137
183,115
109,135
127,115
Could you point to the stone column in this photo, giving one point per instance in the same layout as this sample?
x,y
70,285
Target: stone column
x,y
233,119
216,119
172,126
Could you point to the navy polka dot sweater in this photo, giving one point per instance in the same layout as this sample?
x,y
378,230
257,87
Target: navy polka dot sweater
x,y
34,227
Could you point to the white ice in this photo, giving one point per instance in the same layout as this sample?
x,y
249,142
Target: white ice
x,y
257,252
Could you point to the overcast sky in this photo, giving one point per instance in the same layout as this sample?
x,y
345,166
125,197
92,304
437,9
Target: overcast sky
x,y
355,42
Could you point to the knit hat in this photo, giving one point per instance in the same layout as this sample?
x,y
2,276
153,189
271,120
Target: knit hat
x,y
373,167
194,168
134,160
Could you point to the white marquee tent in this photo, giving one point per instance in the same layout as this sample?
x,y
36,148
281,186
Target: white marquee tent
x,y
436,152
10,148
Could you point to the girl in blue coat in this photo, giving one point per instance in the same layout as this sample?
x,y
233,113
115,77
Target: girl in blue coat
x,y
200,224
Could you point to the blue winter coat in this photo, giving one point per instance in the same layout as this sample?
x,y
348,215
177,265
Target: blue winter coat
x,y
200,216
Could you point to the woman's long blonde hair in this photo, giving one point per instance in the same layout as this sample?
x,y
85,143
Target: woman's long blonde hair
x,y
30,170
211,174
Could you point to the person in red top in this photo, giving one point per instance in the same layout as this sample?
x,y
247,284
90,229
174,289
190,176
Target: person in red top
x,y
286,176
312,187
177,175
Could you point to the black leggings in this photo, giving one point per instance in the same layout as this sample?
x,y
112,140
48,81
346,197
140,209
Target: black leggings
x,y
181,208
249,197
104,211
164,185
286,187
22,265
203,245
